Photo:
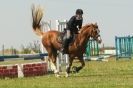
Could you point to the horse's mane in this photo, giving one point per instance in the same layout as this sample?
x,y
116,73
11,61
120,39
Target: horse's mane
x,y
85,26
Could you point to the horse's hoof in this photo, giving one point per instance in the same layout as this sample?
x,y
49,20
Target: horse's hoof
x,y
57,75
74,69
67,75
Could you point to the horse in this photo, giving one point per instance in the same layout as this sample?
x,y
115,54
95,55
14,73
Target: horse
x,y
50,41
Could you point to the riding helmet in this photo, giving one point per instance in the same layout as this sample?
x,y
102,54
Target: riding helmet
x,y
79,11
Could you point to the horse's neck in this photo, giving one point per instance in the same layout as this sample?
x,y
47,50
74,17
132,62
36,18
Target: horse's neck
x,y
82,41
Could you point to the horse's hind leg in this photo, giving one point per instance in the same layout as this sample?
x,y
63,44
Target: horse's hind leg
x,y
54,65
52,57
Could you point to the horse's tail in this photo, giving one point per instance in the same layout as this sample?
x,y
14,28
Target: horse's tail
x,y
37,14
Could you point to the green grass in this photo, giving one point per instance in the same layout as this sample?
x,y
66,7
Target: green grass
x,y
96,74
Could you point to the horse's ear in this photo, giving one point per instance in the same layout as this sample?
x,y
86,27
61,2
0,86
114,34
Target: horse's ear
x,y
95,23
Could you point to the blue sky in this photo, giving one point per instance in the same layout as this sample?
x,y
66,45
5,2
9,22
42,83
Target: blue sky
x,y
114,17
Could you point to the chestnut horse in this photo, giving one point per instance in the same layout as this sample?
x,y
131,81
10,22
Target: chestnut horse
x,y
50,40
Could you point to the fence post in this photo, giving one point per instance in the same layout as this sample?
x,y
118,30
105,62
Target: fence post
x,y
62,59
92,48
123,47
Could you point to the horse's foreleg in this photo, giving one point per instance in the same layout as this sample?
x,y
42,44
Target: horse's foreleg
x,y
82,64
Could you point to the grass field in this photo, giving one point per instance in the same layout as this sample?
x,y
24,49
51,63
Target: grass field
x,y
96,74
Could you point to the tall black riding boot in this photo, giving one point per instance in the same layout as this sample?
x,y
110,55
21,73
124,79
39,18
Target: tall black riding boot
x,y
65,46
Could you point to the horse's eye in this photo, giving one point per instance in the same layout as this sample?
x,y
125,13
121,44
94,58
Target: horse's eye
x,y
95,31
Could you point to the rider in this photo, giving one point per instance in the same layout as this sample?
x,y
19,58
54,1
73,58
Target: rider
x,y
73,27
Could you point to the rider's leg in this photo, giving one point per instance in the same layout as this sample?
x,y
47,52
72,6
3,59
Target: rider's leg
x,y
66,41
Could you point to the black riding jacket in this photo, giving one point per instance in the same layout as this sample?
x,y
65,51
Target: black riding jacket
x,y
73,24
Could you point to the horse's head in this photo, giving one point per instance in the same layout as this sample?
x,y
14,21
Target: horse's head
x,y
95,33
92,31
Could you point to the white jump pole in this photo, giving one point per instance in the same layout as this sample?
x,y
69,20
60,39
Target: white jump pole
x,y
62,59
58,57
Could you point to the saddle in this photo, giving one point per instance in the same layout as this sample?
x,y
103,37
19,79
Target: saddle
x,y
62,35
